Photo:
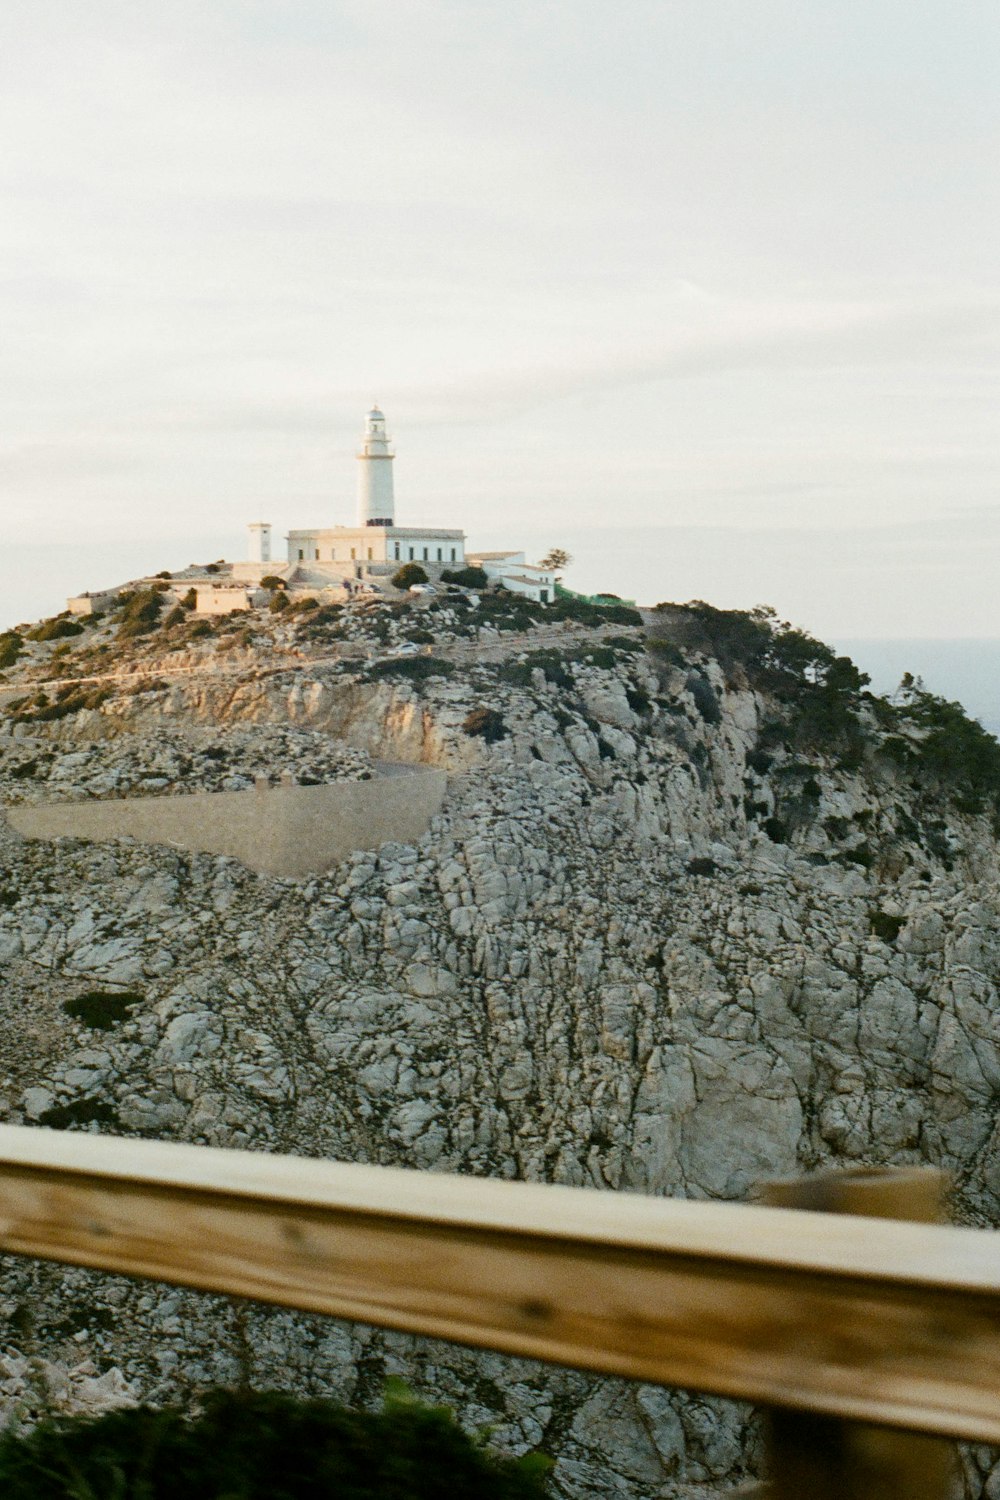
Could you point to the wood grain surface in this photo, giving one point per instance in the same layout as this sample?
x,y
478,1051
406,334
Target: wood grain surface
x,y
886,1322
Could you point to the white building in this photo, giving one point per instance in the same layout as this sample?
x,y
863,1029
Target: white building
x,y
332,556
520,577
375,546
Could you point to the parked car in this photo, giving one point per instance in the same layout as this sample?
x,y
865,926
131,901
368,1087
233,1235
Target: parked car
x,y
422,588
408,648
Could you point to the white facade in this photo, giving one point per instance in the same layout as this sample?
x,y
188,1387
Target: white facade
x,y
520,577
376,504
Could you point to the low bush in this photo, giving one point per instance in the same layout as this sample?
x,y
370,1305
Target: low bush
x,y
279,601
886,926
100,1009
89,1111
69,699
486,723
263,1446
11,646
55,629
415,668
272,581
466,578
409,574
141,613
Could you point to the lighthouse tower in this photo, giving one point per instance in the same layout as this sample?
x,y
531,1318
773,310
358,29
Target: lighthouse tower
x,y
375,500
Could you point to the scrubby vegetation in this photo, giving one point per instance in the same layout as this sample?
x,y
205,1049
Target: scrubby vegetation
x,y
139,612
486,723
55,629
264,1446
102,1010
409,574
466,578
11,647
415,668
39,708
823,707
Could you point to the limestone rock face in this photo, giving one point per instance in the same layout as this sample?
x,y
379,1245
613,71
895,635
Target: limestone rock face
x,y
597,968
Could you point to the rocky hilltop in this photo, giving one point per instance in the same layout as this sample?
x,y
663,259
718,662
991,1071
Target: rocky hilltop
x,y
698,911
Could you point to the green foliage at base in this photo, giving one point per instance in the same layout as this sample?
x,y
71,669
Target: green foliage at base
x,y
264,1446
409,574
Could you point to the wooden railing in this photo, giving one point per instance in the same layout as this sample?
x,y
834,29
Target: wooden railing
x,y
866,1319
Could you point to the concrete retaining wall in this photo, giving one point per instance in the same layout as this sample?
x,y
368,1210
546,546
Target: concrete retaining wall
x,y
287,830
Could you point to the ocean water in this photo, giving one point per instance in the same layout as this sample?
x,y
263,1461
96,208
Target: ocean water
x,y
967,671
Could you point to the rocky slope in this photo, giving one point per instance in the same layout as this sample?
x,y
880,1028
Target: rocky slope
x,y
663,938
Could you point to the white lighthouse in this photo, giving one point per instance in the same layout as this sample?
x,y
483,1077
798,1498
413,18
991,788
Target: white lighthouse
x,y
376,506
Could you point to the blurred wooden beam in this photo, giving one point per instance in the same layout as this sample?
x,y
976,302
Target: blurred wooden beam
x,y
860,1318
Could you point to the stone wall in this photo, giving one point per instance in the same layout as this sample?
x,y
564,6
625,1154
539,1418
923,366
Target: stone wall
x,y
294,830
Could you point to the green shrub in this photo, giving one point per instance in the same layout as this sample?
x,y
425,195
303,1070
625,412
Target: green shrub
x,y
263,1446
415,668
101,1010
11,646
55,629
87,1111
176,616
409,574
706,699
279,601
886,926
487,723
666,652
70,699
141,613
190,599
466,578
272,581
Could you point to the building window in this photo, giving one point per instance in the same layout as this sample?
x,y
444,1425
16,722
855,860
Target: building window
x,y
354,553
543,596
369,554
426,550
396,550
301,555
439,554
453,554
411,554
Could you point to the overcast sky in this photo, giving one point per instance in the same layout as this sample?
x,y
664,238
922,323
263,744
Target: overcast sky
x,y
707,290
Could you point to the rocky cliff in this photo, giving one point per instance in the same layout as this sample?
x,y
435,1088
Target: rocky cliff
x,y
697,912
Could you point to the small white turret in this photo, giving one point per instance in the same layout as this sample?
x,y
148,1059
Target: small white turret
x,y
260,541
376,506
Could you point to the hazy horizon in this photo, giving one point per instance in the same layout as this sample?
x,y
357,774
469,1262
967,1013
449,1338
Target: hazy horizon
x,y
708,295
